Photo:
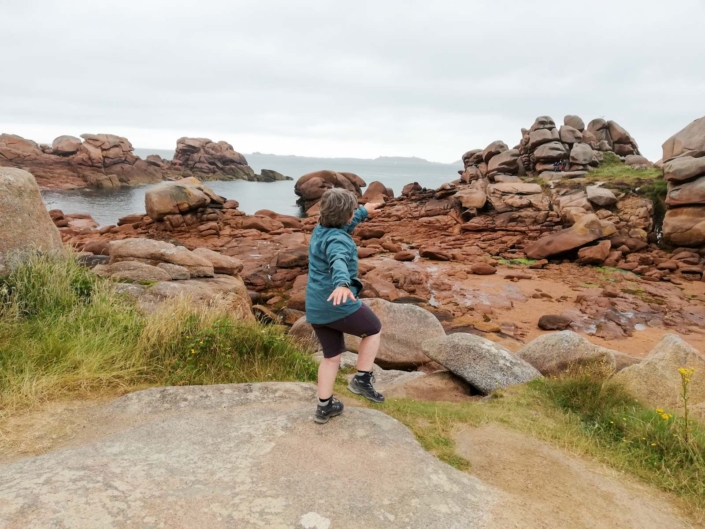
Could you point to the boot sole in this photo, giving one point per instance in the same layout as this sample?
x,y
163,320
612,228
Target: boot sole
x,y
357,392
323,420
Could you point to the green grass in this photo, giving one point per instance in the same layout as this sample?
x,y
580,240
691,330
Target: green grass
x,y
65,332
582,414
520,261
615,173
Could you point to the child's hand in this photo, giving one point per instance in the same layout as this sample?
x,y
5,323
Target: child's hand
x,y
371,208
340,295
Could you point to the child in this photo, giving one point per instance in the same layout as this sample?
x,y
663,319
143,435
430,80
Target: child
x,y
332,307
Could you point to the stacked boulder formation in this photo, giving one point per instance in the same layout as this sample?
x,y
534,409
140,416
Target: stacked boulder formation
x,y
684,170
310,187
203,157
544,148
610,136
107,161
552,153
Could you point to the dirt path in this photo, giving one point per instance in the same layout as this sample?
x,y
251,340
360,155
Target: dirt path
x,y
546,488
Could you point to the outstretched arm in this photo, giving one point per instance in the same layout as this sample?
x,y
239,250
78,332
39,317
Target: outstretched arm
x,y
360,215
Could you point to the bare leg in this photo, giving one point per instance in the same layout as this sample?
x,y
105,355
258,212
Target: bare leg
x,y
327,372
367,352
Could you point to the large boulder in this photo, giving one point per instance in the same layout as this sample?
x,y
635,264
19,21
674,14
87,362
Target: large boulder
x,y
473,157
270,175
377,192
600,129
618,133
310,187
600,196
182,196
354,179
506,162
581,154
543,122
473,196
66,145
570,135
133,271
493,149
404,328
636,161
587,229
685,226
594,255
575,122
485,365
657,381
244,455
25,224
691,138
550,152
687,194
564,351
222,264
541,136
154,252
683,169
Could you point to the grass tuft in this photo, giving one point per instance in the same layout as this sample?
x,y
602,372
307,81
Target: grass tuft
x,y
652,443
65,332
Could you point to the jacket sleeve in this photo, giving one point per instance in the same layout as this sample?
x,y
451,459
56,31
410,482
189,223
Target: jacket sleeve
x,y
360,215
337,255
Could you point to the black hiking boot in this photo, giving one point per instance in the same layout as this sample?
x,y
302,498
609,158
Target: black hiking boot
x,y
332,409
362,385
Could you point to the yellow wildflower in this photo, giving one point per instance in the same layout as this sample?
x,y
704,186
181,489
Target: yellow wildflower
x,y
659,410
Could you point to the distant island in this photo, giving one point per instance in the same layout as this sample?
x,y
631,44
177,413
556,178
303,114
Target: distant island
x,y
393,159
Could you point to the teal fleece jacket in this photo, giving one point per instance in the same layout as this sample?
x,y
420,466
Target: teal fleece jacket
x,y
332,262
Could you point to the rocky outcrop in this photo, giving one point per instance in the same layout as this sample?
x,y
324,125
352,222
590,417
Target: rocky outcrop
x,y
25,225
544,146
158,271
684,170
209,160
310,187
242,456
485,365
106,161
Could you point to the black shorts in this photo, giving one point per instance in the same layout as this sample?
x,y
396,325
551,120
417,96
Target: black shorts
x,y
363,322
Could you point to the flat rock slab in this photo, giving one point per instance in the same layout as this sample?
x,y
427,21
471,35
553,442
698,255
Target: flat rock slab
x,y
246,455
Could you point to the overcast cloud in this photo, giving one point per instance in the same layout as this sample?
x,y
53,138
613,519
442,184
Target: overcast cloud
x,y
361,79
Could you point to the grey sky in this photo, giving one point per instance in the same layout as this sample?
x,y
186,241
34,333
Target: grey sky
x,y
326,78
